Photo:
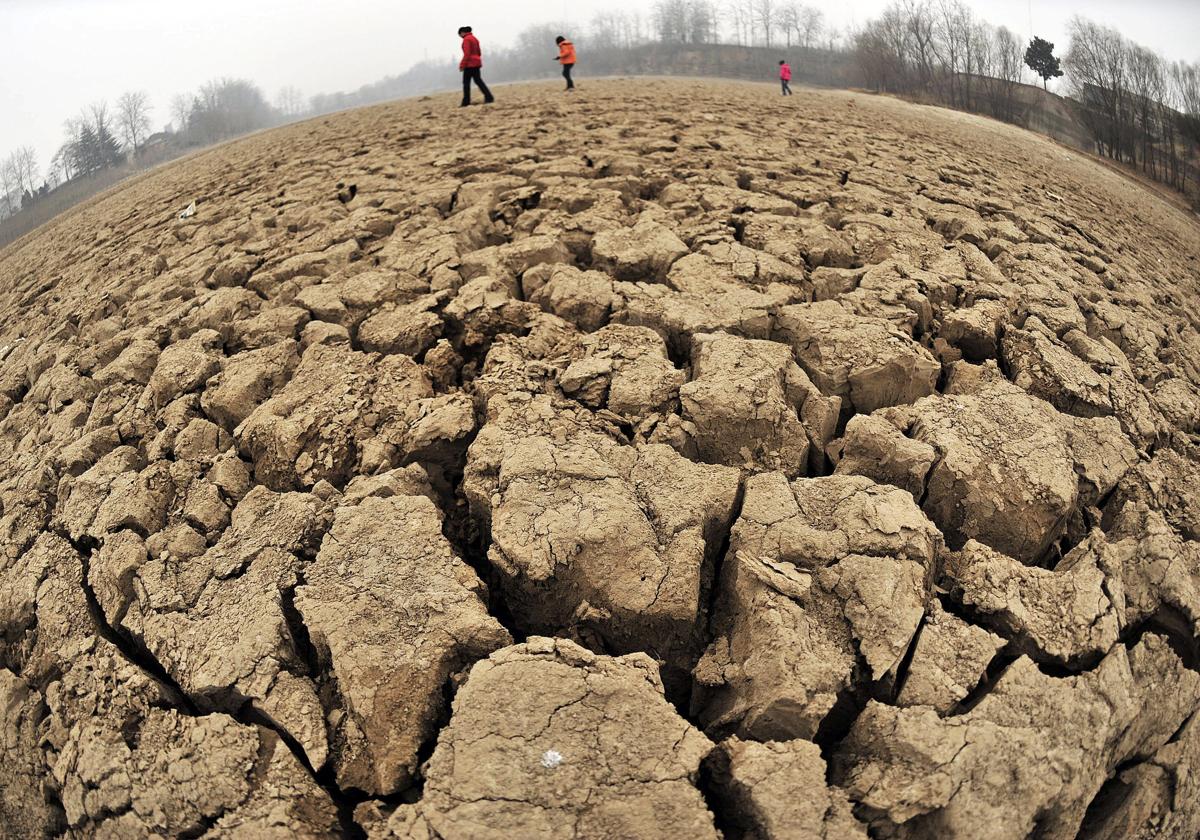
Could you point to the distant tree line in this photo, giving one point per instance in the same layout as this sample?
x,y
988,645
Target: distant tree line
x,y
1140,108
101,138
943,53
1136,107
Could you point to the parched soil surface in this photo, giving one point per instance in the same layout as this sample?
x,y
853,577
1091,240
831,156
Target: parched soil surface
x,y
670,460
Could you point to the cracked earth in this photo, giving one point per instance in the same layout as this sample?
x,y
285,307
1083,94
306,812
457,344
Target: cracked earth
x,y
591,468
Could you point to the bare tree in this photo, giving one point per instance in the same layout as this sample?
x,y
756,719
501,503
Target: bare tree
x,y
702,21
764,12
1099,71
181,111
99,115
1185,91
810,26
1147,88
788,18
26,168
133,118
741,20
290,101
665,17
953,36
10,189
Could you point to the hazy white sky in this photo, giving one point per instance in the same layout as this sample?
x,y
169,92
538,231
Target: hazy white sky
x,y
59,55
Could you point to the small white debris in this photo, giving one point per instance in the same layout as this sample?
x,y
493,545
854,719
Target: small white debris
x,y
551,759
189,212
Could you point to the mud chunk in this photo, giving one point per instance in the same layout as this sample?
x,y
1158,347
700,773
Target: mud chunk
x,y
247,380
875,448
118,757
777,789
411,328
218,622
721,265
279,323
184,366
625,369
317,426
593,534
218,311
1179,403
24,810
975,330
799,241
116,494
86,451
585,298
949,659
322,332
819,570
751,267
644,251
386,580
1007,473
1064,615
865,361
1035,751
883,602
1167,483
816,522
533,362
1083,377
1153,798
486,307
746,399
575,739
512,260
136,364
1152,573
678,316
213,755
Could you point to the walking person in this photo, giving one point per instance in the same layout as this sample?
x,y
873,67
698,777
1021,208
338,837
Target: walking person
x,y
566,57
471,67
785,77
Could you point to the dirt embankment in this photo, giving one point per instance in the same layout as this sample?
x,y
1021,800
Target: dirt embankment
x,y
668,460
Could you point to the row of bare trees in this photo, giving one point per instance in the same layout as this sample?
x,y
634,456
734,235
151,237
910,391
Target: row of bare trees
x,y
101,137
18,179
939,50
1139,108
93,142
743,22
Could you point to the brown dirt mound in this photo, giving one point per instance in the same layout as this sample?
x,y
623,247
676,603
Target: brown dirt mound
x,y
605,467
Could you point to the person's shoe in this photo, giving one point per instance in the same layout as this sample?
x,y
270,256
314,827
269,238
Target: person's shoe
x,y
489,100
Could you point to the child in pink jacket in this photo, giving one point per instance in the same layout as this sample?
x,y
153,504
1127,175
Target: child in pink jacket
x,y
785,76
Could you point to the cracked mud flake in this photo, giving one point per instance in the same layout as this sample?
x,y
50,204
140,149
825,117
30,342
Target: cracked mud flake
x,y
273,476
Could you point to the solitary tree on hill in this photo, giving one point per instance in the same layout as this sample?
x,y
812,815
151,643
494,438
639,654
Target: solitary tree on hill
x,y
1039,57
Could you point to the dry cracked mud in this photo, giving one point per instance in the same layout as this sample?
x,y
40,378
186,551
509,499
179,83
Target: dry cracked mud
x,y
588,468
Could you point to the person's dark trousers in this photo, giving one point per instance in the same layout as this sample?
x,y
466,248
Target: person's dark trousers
x,y
787,88
567,68
475,74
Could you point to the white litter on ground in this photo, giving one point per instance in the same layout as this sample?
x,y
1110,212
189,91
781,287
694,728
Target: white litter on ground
x,y
551,759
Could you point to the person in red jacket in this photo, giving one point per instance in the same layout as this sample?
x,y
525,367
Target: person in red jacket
x,y
785,77
471,64
566,57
